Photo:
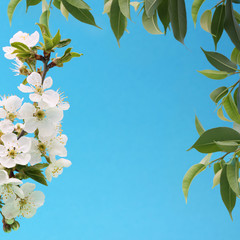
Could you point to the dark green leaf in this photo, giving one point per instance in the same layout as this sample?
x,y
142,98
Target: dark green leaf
x,y
164,14
83,15
79,4
218,23
56,3
178,19
206,143
220,62
32,2
117,20
227,194
35,174
217,167
231,26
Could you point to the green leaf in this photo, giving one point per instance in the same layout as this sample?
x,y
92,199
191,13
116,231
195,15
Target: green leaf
x,y
117,20
178,19
11,8
217,167
213,74
163,14
206,143
125,8
218,23
41,165
57,3
151,6
227,146
44,30
74,54
20,46
64,11
150,24
235,56
83,15
237,16
199,126
227,194
107,7
189,176
79,4
206,21
32,3
216,179
195,9
56,38
231,26
218,94
221,115
35,174
48,43
231,108
63,43
220,62
233,175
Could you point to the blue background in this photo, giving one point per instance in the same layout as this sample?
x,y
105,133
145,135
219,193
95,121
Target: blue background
x,y
129,125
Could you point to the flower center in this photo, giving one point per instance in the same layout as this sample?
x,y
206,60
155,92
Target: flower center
x,y
39,90
11,116
40,114
41,147
12,153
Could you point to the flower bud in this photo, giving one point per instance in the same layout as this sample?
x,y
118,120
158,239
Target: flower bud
x,y
6,228
10,221
15,226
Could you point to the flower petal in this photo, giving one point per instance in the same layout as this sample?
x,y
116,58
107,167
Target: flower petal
x,y
25,89
34,79
36,199
24,144
47,83
51,98
35,97
3,177
28,188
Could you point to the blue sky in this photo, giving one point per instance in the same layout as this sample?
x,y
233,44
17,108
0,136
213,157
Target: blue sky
x,y
129,125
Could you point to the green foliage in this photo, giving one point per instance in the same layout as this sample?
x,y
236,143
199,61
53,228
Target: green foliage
x,y
11,8
199,126
195,9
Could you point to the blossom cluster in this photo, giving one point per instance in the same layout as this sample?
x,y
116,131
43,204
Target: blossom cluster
x,y
31,137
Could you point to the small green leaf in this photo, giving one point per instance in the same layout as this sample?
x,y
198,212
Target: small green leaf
x,y
227,194
35,174
213,74
57,3
227,146
217,24
74,54
56,38
107,7
206,143
64,11
136,5
189,176
150,24
218,94
206,21
11,8
199,126
20,46
195,9
216,179
235,56
221,115
220,62
233,175
231,108
63,43
32,3
125,8
217,167
178,19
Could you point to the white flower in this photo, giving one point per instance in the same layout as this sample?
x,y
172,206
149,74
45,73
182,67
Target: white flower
x,y
55,145
55,168
18,65
10,107
45,121
8,187
30,41
36,155
39,92
25,206
14,151
6,126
